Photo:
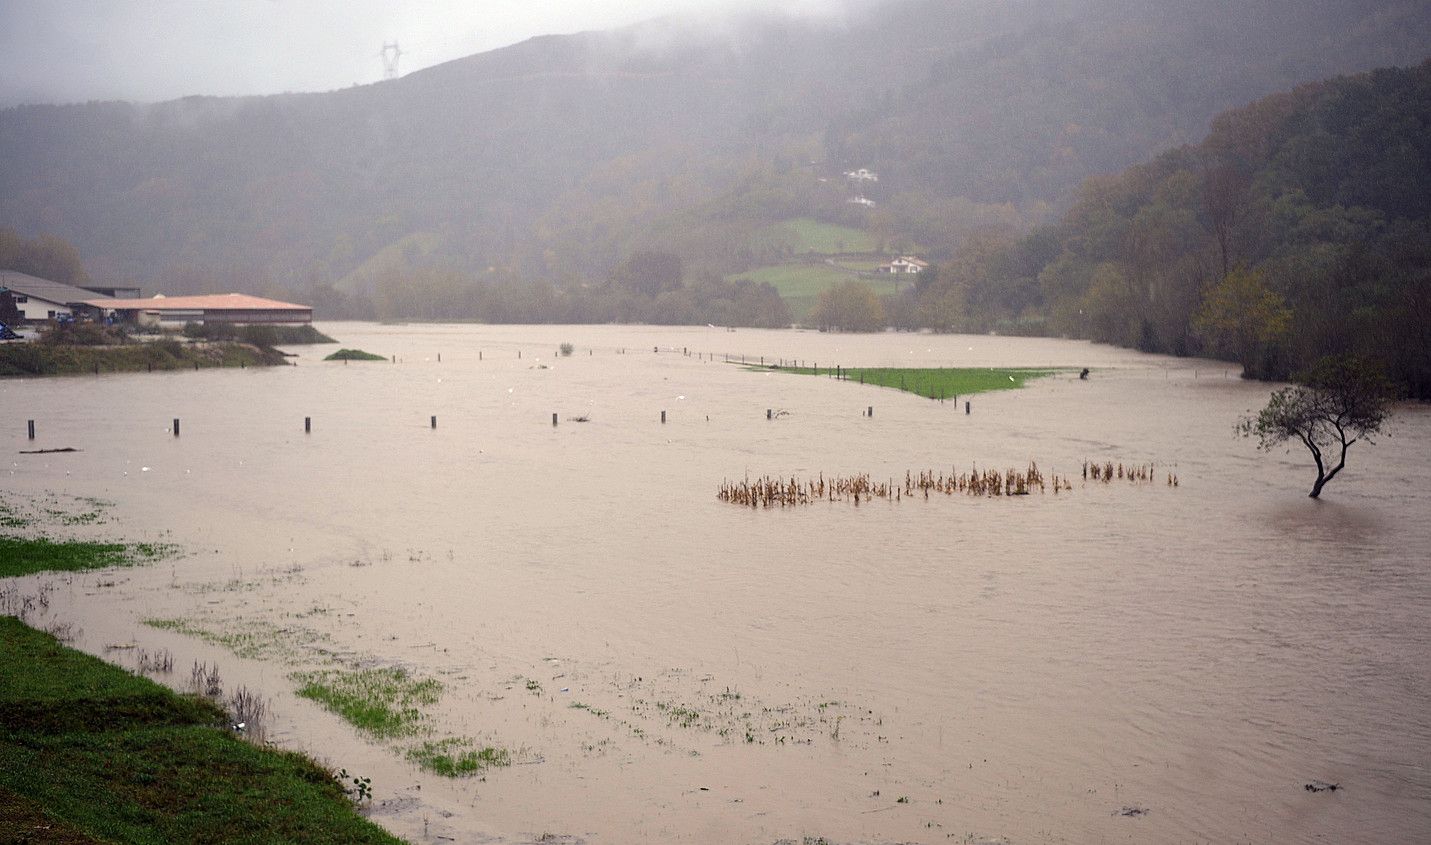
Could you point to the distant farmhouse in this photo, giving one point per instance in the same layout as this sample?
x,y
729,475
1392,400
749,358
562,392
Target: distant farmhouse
x,y
214,308
904,264
867,203
862,175
29,299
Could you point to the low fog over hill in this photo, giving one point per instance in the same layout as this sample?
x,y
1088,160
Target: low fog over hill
x,y
557,159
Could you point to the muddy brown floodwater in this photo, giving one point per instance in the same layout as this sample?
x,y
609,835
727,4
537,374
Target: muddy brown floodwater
x,y
666,667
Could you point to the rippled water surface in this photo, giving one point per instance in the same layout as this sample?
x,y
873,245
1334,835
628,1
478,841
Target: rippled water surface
x,y
666,667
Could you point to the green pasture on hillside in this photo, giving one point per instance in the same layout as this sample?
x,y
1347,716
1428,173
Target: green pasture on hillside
x,y
807,235
800,285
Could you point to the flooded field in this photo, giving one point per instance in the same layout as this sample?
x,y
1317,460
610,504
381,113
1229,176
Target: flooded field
x,y
1121,662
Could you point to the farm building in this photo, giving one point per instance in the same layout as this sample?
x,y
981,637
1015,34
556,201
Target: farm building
x,y
29,299
214,308
905,264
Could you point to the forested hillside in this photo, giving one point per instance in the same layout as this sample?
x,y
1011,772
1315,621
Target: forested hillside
x,y
1300,227
515,184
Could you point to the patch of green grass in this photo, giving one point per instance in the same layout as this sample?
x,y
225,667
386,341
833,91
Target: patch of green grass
x,y
457,757
24,556
932,382
51,508
11,518
253,639
864,266
808,235
112,757
381,702
682,716
354,355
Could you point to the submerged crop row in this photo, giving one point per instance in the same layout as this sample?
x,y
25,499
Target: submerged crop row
x,y
772,492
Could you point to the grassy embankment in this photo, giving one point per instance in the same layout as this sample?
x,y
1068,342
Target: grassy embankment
x,y
87,348
52,359
91,753
259,335
930,382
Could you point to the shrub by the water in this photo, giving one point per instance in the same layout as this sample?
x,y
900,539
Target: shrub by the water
x,y
354,355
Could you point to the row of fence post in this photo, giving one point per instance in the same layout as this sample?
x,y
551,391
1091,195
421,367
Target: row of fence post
x,y
308,421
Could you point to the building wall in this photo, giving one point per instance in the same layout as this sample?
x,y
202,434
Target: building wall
x,y
237,316
258,316
34,308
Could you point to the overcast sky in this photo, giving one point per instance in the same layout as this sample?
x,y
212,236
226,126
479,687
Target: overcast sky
x,y
78,50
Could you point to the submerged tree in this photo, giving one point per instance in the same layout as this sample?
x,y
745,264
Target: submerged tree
x,y
1337,403
850,307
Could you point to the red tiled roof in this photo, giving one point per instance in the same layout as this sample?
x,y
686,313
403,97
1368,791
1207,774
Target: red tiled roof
x,y
214,302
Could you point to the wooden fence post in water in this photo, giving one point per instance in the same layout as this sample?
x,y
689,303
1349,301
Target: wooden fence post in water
x,y
434,421
663,418
307,425
966,407
769,414
176,426
870,412
554,420
32,429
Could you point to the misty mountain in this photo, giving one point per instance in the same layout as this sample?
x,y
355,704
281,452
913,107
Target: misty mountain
x,y
557,158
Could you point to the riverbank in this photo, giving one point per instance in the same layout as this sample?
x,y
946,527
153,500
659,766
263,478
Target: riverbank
x,y
55,359
92,753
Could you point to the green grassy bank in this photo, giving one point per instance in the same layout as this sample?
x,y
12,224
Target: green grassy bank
x,y
930,382
92,753
55,359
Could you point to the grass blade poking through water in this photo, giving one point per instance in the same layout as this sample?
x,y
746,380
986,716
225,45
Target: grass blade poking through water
x,y
380,702
456,757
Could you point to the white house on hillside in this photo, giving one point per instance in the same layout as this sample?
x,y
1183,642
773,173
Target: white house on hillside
x,y
905,264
